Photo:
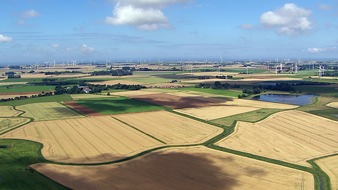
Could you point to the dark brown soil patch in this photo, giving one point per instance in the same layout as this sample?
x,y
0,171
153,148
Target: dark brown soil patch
x,y
82,109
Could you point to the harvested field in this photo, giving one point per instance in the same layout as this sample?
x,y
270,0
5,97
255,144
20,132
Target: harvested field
x,y
16,94
87,96
175,102
82,109
10,83
85,140
258,104
10,123
330,166
197,168
171,128
215,112
333,105
48,111
27,76
112,82
8,111
292,136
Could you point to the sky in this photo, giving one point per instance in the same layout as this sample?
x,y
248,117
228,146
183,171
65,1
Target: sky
x,y
39,31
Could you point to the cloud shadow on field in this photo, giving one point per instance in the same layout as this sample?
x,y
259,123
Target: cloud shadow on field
x,y
171,170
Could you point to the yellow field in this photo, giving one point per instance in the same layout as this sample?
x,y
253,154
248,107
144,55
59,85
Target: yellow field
x,y
258,104
171,128
133,93
10,83
85,140
48,111
53,76
197,168
333,105
13,95
8,111
292,136
9,123
215,112
330,167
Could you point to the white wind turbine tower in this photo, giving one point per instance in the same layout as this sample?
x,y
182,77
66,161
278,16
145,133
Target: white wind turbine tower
x,y
321,71
276,70
281,67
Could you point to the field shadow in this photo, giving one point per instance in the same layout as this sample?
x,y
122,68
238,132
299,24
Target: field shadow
x,y
156,171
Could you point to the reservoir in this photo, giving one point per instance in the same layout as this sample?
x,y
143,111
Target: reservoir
x,y
299,100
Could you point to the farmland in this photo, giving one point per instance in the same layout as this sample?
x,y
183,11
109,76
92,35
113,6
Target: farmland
x,y
118,105
333,105
56,98
179,129
8,111
215,112
330,166
282,136
85,140
47,111
197,168
10,123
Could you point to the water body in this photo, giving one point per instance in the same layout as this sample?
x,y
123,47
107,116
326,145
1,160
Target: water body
x,y
299,100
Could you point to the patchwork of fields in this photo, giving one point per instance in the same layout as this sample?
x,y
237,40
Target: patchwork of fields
x,y
330,166
8,111
103,139
197,168
10,123
292,136
48,111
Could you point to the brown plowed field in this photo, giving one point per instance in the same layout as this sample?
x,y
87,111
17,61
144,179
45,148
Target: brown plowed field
x,y
197,168
85,140
82,109
175,102
292,136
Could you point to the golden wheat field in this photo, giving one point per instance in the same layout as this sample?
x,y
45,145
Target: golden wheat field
x,y
10,123
197,168
215,112
330,166
171,128
48,111
8,111
85,140
333,104
292,136
88,96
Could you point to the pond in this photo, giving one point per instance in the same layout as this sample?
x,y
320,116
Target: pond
x,y
299,100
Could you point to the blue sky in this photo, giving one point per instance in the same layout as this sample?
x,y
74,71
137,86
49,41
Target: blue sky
x,y
87,30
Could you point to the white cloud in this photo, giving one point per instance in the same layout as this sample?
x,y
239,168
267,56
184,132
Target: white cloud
x,y
246,26
86,49
144,14
5,39
29,14
319,50
324,7
289,19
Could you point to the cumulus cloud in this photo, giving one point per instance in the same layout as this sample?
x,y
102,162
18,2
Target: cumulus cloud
x,y
5,39
289,19
315,50
144,14
86,49
29,14
246,26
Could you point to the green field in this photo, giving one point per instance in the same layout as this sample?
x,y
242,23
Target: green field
x,y
14,162
56,98
25,88
7,124
252,116
228,93
22,80
319,107
118,105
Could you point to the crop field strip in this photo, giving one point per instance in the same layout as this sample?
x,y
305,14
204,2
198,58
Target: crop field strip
x,y
215,112
48,111
9,111
85,140
330,166
285,134
181,168
7,124
333,105
179,129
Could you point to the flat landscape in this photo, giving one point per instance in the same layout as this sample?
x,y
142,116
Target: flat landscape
x,y
292,136
330,166
215,112
48,111
8,111
197,168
